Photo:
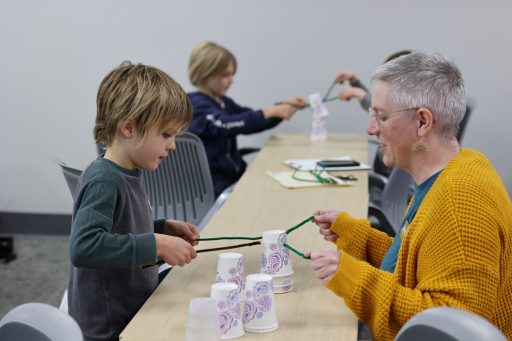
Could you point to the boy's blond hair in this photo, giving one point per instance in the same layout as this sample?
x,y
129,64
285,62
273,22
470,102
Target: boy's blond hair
x,y
144,94
207,60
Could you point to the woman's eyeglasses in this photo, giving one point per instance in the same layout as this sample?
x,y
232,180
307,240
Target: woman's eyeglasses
x,y
380,117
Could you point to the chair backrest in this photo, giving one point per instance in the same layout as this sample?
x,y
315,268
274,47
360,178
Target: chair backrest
x,y
181,187
395,195
389,211
463,124
378,165
71,175
448,324
100,148
38,322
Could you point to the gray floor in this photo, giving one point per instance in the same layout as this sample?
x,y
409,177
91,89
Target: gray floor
x,y
38,274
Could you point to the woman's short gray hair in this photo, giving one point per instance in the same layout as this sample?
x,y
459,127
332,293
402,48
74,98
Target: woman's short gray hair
x,y
428,80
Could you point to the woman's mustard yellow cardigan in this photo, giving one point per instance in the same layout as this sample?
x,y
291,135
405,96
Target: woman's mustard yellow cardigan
x,y
457,252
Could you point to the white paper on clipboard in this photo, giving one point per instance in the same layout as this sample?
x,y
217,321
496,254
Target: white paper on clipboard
x,y
310,164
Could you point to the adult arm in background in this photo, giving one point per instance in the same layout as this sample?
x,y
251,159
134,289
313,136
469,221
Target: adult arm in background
x,y
356,90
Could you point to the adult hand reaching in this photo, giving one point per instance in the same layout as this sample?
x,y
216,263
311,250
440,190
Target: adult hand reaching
x,y
345,76
346,94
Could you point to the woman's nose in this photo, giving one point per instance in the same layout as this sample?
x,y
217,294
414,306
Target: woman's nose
x,y
373,127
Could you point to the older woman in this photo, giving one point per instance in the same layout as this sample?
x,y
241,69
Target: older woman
x,y
455,243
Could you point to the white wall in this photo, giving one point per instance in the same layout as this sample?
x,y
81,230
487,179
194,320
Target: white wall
x,y
55,52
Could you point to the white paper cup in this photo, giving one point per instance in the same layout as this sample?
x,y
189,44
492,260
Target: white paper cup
x,y
282,284
259,308
228,307
203,320
276,261
275,258
230,269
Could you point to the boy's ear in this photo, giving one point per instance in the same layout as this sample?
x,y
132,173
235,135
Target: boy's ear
x,y
127,128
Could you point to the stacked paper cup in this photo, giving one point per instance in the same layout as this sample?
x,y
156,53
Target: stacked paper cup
x,y
275,260
203,320
259,308
230,269
228,306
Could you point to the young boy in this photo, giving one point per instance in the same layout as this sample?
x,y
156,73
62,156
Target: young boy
x,y
140,109
218,120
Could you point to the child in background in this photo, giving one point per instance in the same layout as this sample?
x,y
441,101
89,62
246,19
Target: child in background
x,y
218,120
140,109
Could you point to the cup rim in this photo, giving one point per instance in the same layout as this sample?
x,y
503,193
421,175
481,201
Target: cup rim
x,y
224,286
290,274
270,236
194,302
261,330
259,277
230,255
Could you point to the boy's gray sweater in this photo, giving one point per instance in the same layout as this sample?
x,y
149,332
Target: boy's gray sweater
x,y
111,238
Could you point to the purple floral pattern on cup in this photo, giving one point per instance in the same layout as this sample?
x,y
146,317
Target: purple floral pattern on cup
x,y
229,312
258,301
249,311
240,266
225,320
272,262
236,275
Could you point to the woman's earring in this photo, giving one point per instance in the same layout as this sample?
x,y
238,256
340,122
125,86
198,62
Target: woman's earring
x,y
420,146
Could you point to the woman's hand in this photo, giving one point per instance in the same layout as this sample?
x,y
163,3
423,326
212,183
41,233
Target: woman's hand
x,y
324,219
325,263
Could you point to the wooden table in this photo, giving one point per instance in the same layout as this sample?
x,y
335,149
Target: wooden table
x,y
259,203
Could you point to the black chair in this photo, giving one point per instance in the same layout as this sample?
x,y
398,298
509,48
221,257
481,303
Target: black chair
x,y
388,214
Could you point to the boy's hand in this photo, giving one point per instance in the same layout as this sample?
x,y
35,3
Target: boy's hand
x,y
184,230
174,250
